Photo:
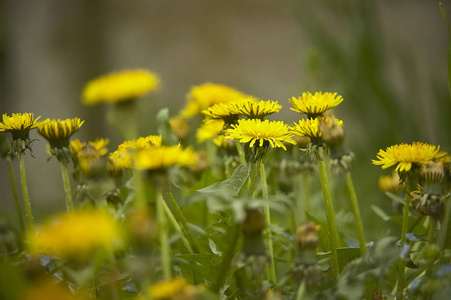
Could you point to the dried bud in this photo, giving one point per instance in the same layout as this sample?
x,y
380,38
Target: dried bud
x,y
254,222
307,235
433,172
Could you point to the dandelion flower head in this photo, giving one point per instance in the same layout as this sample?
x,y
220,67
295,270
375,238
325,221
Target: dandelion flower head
x,y
315,104
19,125
179,126
121,158
163,157
258,131
310,127
92,149
203,96
58,132
77,235
406,155
254,108
167,289
120,87
209,130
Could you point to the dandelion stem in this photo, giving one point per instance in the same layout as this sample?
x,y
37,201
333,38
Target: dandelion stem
x,y
181,218
405,227
26,197
306,187
163,235
356,211
301,291
431,230
240,150
330,213
176,226
16,197
253,180
67,189
268,223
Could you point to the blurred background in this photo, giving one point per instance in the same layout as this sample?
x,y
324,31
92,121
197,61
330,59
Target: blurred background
x,y
386,58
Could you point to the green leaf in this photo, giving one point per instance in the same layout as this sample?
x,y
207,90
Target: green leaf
x,y
232,185
345,255
380,212
164,128
394,224
395,198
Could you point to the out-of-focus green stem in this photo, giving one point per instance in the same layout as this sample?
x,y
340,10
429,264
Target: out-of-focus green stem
x,y
356,211
26,197
431,230
240,150
253,180
16,197
330,213
67,189
268,223
306,188
405,227
181,218
163,235
176,226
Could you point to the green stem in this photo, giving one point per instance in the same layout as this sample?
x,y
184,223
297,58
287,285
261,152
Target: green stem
x,y
301,291
405,219
431,230
253,180
405,227
444,224
67,189
306,186
330,213
177,227
240,150
181,218
26,197
356,211
163,235
268,223
16,197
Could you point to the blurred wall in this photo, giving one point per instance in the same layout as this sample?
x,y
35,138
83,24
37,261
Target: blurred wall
x,y
272,49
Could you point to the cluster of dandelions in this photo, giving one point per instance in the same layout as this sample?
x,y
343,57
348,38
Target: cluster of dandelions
x,y
136,229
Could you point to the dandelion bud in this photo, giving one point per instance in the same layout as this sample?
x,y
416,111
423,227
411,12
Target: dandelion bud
x,y
433,172
307,235
254,222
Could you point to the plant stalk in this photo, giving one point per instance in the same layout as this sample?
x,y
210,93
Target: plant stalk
x,y
269,243
26,197
163,235
356,211
240,150
67,189
330,213
16,197
177,227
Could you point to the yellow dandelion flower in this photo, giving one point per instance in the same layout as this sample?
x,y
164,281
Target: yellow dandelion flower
x,y
314,105
58,132
253,108
46,289
120,87
163,157
179,127
220,111
256,130
121,158
19,125
209,130
167,289
205,95
76,235
391,183
406,155
310,127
